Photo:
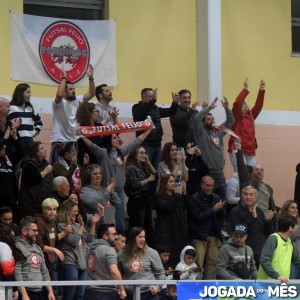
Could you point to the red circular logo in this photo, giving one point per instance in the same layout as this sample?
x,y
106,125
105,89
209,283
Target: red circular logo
x,y
63,44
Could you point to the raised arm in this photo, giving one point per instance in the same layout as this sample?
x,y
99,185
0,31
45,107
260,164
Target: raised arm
x,y
62,87
237,105
229,116
205,110
259,103
91,92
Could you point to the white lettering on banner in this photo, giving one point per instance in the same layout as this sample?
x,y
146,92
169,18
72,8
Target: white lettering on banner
x,y
282,291
228,291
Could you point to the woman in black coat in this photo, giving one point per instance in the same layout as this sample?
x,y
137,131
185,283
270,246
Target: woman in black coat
x,y
171,226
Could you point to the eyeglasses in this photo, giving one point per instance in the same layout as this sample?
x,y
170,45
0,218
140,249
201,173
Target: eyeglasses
x,y
35,230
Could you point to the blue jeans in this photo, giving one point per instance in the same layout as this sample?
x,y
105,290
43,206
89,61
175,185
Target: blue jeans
x,y
70,272
120,215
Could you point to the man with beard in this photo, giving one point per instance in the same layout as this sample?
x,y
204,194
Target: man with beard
x,y
32,267
210,141
65,106
103,265
107,114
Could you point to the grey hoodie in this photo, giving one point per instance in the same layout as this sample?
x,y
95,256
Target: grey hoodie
x,y
229,254
73,246
148,268
34,268
101,256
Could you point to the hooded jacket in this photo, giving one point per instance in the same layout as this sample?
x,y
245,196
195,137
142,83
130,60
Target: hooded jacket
x,y
34,268
229,254
101,256
184,268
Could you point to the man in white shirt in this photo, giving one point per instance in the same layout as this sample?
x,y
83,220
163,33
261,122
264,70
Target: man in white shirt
x,y
65,107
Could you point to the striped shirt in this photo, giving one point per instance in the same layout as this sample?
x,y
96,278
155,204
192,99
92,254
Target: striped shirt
x,y
31,121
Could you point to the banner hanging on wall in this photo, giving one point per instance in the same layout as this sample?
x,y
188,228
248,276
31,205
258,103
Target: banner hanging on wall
x,y
41,46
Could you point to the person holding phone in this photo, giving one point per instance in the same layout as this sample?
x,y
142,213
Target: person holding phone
x,y
173,162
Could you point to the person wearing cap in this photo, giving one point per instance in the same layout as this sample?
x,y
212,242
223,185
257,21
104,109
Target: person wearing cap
x,y
236,259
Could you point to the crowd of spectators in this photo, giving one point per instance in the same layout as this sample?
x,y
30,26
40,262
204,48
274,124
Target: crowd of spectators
x,y
65,219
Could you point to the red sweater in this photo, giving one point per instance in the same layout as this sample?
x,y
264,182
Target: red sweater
x,y
244,125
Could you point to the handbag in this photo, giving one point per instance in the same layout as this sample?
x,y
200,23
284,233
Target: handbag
x,y
240,268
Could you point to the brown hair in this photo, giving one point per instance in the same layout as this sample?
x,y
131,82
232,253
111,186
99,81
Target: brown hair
x,y
163,182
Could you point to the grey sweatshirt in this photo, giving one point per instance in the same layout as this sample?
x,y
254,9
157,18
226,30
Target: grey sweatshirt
x,y
147,268
93,196
100,257
73,246
34,268
229,254
109,164
211,142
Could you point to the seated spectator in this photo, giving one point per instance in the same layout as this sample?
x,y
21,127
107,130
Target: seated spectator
x,y
67,166
120,242
164,254
171,227
93,193
187,265
259,227
6,218
61,189
278,252
170,293
36,181
236,259
111,159
173,162
88,115
31,267
139,175
196,166
73,246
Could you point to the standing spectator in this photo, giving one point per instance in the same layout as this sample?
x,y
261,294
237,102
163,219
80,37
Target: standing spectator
x,y
94,193
88,115
244,125
67,166
259,227
207,212
73,246
36,180
139,174
297,186
20,107
64,107
236,259
278,252
147,107
290,208
120,241
32,267
182,121
196,166
173,162
111,159
103,265
171,227
140,262
6,218
210,141
107,114
47,237
60,189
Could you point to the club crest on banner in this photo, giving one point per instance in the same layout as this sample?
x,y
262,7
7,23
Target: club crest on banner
x,y
63,44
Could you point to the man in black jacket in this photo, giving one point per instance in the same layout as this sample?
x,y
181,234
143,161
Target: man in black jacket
x,y
147,107
181,122
206,217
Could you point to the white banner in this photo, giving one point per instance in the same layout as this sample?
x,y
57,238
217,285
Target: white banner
x,y
41,46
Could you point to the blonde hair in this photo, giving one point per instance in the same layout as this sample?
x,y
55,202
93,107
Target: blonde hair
x,y
50,202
